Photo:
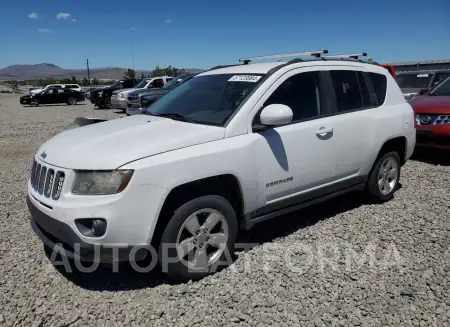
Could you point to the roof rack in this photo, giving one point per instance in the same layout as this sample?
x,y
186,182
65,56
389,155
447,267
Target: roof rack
x,y
350,55
284,55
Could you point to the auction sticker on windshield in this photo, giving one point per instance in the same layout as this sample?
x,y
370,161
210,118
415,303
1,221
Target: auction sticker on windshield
x,y
245,78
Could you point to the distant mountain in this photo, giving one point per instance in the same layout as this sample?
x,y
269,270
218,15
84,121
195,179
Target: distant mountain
x,y
46,70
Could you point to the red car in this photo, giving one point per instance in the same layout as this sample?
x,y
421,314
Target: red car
x,y
432,111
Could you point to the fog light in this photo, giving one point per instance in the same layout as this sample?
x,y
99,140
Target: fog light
x,y
91,227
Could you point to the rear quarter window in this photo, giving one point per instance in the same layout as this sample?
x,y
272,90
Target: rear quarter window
x,y
379,83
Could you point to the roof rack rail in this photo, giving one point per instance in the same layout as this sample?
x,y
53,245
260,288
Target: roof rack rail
x,y
350,55
284,55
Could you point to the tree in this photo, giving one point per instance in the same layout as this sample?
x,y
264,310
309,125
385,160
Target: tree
x,y
95,82
85,82
142,75
74,80
169,71
130,74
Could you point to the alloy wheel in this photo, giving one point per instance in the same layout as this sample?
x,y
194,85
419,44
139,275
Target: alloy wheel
x,y
202,239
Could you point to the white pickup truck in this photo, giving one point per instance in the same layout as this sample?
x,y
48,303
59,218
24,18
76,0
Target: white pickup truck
x,y
229,148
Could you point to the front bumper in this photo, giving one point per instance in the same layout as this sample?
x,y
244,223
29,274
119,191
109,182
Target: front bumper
x,y
437,137
119,103
60,237
130,216
25,101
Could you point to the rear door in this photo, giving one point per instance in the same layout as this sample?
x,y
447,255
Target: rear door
x,y
354,127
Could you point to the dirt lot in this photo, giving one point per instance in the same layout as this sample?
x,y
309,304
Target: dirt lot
x,y
342,263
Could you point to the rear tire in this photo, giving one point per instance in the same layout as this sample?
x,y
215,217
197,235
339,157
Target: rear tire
x,y
72,101
206,228
384,178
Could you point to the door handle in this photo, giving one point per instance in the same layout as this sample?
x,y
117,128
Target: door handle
x,y
324,130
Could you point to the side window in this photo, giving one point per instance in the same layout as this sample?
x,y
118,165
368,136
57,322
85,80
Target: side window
x,y
60,91
158,83
347,90
379,83
301,93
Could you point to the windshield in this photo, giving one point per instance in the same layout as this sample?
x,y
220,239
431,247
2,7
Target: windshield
x,y
443,89
117,84
175,81
209,99
141,84
413,80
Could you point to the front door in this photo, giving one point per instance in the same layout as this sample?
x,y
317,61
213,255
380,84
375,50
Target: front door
x,y
295,162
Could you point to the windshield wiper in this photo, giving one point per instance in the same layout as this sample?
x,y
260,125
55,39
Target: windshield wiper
x,y
175,116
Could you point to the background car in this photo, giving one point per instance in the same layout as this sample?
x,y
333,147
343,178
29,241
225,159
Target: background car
x,y
119,97
416,83
139,100
53,95
75,87
433,117
101,97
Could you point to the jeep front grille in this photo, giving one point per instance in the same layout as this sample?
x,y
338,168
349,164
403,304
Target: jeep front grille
x,y
427,120
47,181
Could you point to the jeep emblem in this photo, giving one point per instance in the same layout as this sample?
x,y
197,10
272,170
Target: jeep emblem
x,y
43,155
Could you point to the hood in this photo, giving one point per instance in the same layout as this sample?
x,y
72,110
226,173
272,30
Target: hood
x,y
136,92
113,143
25,97
125,91
431,104
98,89
155,92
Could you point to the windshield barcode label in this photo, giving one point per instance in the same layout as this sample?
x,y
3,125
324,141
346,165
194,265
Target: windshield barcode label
x,y
244,78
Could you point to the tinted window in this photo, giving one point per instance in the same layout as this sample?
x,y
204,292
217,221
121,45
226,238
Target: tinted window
x,y
71,86
301,93
347,90
414,80
209,99
379,83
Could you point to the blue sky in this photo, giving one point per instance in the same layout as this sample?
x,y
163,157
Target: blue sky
x,y
200,33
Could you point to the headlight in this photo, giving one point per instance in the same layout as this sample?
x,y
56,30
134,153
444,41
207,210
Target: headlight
x,y
100,94
120,95
101,182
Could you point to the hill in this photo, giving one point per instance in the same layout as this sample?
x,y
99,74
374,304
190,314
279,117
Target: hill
x,y
45,70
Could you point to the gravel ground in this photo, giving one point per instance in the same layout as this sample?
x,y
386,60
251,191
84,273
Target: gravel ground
x,y
343,263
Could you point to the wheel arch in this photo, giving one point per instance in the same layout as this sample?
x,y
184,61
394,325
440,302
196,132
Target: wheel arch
x,y
226,185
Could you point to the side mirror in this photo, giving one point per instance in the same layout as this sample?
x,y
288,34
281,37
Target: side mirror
x,y
423,91
275,115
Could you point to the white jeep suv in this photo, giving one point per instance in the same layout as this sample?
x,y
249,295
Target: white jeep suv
x,y
231,147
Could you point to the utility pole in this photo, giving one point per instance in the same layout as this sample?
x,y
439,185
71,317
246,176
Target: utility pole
x,y
132,52
89,75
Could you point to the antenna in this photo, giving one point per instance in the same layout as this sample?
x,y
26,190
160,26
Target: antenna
x,y
350,55
316,54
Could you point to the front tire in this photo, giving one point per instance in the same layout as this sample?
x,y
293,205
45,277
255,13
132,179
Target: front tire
x,y
199,239
34,103
384,178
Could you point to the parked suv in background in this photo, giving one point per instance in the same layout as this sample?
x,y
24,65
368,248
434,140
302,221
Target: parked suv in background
x,y
101,97
53,95
416,83
139,100
223,151
119,97
433,117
